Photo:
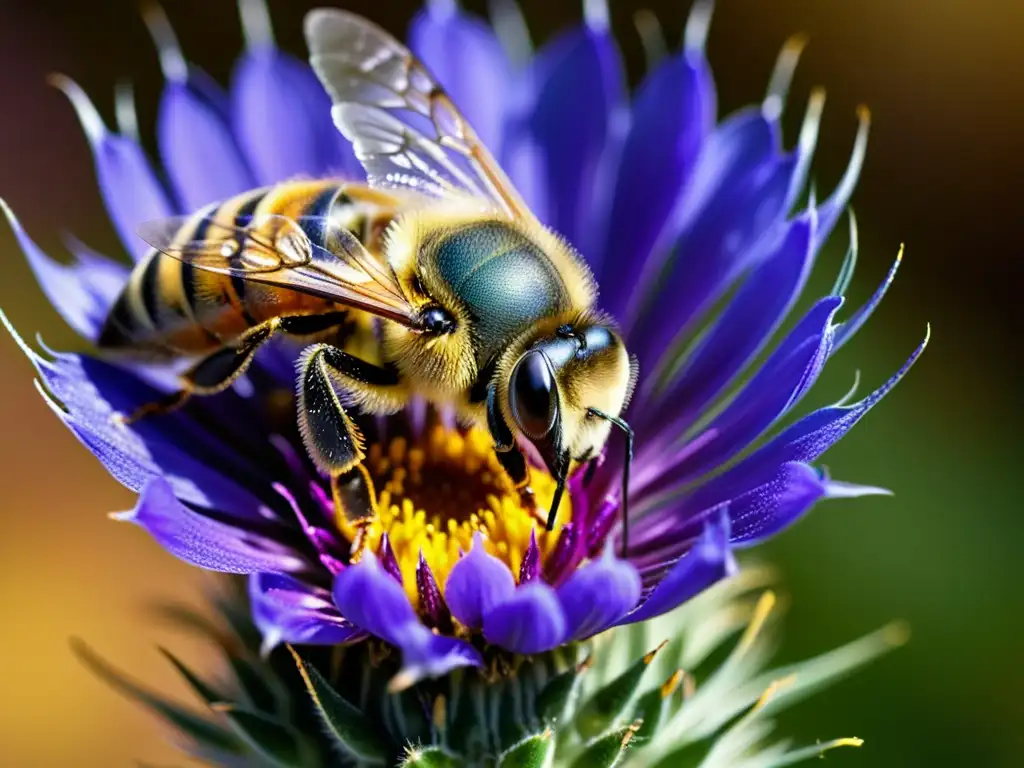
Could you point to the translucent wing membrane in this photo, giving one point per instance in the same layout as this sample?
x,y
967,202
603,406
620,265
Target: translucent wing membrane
x,y
277,250
372,78
396,155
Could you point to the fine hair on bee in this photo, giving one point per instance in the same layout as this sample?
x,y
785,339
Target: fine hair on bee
x,y
433,279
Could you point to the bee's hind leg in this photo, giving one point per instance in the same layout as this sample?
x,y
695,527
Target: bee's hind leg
x,y
211,375
219,370
164,405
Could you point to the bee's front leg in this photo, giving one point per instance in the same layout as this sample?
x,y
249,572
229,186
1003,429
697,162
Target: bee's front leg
x,y
514,463
510,456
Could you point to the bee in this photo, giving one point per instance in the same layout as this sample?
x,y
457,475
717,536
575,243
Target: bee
x,y
436,269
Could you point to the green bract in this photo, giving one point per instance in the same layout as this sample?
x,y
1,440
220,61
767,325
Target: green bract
x,y
661,693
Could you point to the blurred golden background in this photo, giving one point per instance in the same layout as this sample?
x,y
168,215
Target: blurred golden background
x,y
945,82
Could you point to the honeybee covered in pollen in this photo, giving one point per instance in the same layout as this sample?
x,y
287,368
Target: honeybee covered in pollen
x,y
467,299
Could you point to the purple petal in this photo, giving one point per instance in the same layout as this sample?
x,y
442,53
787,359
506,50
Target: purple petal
x,y
202,468
755,515
130,188
530,621
738,146
778,385
287,610
598,594
728,234
709,561
849,328
198,150
658,465
193,127
324,540
425,654
198,540
82,291
465,56
804,441
529,569
813,435
605,517
764,512
523,161
282,118
745,326
579,86
673,113
563,554
431,602
476,584
369,598
386,553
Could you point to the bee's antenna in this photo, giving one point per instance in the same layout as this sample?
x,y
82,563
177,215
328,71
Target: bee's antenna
x,y
627,466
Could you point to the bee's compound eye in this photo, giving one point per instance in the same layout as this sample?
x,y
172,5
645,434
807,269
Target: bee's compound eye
x,y
532,395
437,320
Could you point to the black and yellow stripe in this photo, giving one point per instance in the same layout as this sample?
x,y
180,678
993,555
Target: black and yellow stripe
x,y
169,307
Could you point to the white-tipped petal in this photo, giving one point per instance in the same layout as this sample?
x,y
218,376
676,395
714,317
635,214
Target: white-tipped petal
x,y
510,26
124,110
92,123
257,28
652,37
695,36
785,67
172,60
596,15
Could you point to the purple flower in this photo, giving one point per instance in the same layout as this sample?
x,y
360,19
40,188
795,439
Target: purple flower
x,y
673,210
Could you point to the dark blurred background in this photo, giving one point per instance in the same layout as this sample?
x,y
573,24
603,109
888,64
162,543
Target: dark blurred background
x,y
945,174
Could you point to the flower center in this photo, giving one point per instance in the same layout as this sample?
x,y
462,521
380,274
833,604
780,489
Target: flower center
x,y
434,493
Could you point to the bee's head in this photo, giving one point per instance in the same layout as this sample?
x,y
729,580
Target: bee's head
x,y
567,390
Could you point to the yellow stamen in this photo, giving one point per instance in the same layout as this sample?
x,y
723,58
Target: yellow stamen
x,y
770,692
849,741
432,495
761,610
671,685
651,654
440,714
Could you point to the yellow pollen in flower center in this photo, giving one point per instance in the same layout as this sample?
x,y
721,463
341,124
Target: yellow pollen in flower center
x,y
434,494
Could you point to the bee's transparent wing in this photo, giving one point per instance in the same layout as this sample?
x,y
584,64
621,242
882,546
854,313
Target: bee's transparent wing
x,y
276,250
373,79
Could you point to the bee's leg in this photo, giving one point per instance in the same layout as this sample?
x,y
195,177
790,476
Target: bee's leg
x,y
514,464
327,378
168,404
219,370
509,455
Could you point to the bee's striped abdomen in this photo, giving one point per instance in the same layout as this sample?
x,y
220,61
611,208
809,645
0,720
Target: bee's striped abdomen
x,y
155,312
170,307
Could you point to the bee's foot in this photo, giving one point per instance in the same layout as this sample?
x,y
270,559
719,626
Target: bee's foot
x,y
169,404
529,501
362,526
